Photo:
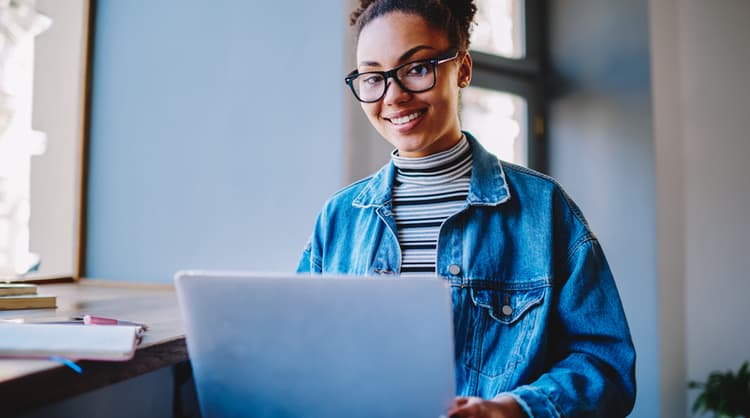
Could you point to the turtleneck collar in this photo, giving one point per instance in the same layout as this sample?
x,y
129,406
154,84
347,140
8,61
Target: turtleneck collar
x,y
432,162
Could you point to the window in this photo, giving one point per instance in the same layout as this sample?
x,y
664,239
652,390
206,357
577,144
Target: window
x,y
41,69
500,28
502,107
18,142
498,119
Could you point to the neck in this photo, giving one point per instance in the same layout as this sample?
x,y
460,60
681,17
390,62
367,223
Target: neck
x,y
443,144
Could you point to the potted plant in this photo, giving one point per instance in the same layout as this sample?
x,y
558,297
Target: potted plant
x,y
726,394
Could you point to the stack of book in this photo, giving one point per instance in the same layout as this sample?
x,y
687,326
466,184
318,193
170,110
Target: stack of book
x,y
24,296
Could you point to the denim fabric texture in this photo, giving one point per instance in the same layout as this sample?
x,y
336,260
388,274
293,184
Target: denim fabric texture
x,y
536,312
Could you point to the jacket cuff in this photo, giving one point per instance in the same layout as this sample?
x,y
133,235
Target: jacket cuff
x,y
533,402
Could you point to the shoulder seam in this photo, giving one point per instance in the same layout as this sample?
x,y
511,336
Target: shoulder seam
x,y
558,189
579,243
528,171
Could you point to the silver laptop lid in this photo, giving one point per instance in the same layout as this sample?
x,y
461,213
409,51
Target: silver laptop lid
x,y
323,347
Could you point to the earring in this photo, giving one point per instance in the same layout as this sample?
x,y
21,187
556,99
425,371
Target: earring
x,y
463,83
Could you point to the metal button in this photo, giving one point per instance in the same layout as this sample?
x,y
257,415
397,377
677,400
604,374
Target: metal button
x,y
454,269
507,310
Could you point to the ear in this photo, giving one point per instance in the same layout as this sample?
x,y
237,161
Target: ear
x,y
464,70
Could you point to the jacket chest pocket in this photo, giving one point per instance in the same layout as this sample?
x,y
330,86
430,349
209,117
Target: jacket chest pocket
x,y
506,318
507,306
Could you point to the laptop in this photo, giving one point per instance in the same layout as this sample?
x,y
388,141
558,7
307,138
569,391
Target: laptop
x,y
319,347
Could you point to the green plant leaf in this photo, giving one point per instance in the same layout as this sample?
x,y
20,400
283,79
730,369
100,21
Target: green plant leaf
x,y
726,394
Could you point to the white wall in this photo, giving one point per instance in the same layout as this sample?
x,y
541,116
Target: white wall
x,y
716,64
58,81
669,158
701,62
715,61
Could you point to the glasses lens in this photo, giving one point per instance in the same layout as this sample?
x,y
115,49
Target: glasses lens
x,y
369,86
417,76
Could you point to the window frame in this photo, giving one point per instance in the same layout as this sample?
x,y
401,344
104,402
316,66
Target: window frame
x,y
523,77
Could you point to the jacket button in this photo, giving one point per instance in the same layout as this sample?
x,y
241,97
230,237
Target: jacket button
x,y
454,269
507,310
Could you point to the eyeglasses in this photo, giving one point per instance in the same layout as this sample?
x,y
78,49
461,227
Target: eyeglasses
x,y
413,77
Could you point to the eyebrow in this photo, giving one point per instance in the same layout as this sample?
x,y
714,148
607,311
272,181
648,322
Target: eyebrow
x,y
405,56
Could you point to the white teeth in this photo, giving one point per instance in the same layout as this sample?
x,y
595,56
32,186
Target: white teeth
x,y
405,119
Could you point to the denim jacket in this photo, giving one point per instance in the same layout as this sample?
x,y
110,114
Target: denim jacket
x,y
536,312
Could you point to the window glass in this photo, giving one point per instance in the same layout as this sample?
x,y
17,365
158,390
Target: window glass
x,y
19,25
498,120
499,28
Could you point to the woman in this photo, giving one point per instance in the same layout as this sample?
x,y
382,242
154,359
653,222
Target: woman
x,y
539,325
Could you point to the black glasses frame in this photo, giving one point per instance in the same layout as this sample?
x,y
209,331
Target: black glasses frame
x,y
393,73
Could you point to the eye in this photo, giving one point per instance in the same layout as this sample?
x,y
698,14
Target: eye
x,y
419,69
370,79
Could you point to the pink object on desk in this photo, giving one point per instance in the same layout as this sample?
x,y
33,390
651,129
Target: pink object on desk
x,y
100,320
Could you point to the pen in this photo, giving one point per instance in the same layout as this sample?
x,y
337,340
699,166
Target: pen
x,y
70,363
100,320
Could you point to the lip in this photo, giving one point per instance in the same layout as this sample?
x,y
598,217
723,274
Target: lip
x,y
402,113
405,127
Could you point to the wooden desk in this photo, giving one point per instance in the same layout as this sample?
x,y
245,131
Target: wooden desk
x,y
26,384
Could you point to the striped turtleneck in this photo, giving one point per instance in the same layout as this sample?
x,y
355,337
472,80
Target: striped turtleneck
x,y
426,191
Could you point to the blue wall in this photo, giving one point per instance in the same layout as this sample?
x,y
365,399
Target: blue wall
x,y
601,149
216,134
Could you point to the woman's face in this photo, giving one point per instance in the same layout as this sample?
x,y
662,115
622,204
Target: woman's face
x,y
418,124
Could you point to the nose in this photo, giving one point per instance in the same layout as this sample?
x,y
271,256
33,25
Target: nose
x,y
394,93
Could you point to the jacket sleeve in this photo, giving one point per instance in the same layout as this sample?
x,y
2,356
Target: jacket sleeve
x,y
310,260
306,262
591,370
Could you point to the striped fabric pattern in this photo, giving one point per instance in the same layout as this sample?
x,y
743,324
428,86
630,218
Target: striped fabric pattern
x,y
426,191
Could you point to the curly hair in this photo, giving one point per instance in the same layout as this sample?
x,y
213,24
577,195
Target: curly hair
x,y
455,17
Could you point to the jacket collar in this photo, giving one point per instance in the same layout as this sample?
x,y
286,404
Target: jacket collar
x,y
487,187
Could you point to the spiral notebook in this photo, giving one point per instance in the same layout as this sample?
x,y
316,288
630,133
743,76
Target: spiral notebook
x,y
70,341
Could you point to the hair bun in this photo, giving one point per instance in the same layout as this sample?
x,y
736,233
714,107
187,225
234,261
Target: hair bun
x,y
455,17
363,5
462,10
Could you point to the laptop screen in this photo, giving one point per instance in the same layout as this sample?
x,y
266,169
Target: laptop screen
x,y
307,346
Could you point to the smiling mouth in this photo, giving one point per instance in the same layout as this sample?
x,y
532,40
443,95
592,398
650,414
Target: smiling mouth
x,y
401,120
